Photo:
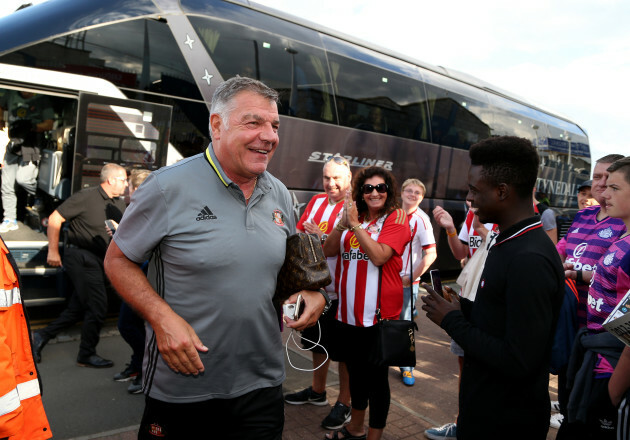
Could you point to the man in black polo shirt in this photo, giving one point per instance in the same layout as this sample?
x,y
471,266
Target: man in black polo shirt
x,y
507,332
86,212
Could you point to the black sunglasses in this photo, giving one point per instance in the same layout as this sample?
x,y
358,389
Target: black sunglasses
x,y
380,188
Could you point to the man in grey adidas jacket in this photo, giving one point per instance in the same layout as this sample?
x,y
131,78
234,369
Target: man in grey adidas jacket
x,y
214,227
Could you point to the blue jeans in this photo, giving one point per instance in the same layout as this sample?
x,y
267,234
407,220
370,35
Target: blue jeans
x,y
406,312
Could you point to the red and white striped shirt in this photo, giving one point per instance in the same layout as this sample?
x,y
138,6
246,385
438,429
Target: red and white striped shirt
x,y
326,216
468,234
359,277
421,238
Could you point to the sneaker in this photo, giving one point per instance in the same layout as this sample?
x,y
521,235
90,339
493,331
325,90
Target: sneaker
x,y
136,385
556,420
555,406
307,396
340,414
444,432
127,374
8,225
407,378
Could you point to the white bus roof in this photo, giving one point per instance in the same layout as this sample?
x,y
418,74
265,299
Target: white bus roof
x,y
60,81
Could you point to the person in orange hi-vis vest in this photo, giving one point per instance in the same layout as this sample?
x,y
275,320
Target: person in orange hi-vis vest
x,y
22,415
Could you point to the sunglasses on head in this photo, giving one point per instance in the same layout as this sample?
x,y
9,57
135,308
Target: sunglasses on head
x,y
338,160
380,188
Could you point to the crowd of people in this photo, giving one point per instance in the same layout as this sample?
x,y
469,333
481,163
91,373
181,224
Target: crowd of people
x,y
185,307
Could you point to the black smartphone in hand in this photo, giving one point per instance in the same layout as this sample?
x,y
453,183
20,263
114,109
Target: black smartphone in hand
x,y
436,281
110,224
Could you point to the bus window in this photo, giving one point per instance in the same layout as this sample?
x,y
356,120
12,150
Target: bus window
x,y
568,148
297,71
189,133
119,53
103,148
457,120
506,123
510,118
373,99
141,152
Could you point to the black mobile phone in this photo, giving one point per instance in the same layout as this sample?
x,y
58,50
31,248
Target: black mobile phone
x,y
110,225
436,281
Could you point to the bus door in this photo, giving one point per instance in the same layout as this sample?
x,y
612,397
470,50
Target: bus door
x,y
131,133
128,132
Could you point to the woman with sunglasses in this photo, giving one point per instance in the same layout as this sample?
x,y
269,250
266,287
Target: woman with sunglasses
x,y
369,239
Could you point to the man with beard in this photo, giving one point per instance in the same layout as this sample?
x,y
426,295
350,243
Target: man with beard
x,y
320,217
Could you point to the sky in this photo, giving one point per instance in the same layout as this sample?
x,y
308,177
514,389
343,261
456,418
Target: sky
x,y
571,57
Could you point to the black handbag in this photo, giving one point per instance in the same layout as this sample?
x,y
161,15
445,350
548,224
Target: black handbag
x,y
304,268
395,344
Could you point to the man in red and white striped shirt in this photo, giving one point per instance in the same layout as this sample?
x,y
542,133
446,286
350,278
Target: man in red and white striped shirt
x,y
470,237
419,254
320,217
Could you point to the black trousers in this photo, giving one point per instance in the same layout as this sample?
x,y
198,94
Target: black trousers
x,y
369,383
88,302
131,327
258,415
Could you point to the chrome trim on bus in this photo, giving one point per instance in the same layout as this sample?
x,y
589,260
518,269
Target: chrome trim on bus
x,y
26,244
43,301
44,271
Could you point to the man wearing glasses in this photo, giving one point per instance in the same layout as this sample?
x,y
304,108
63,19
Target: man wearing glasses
x,y
87,242
420,253
320,217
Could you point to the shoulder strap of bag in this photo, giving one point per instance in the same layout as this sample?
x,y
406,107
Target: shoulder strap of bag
x,y
380,279
411,280
378,309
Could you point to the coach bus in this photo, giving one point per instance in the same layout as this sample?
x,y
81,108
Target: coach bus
x,y
338,95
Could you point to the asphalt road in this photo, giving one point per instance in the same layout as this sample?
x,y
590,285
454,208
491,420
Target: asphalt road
x,y
82,402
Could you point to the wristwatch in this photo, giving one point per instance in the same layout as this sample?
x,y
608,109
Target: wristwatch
x,y
328,301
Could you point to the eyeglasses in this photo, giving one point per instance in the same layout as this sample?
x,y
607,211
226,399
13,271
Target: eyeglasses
x,y
122,179
381,188
338,160
412,192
